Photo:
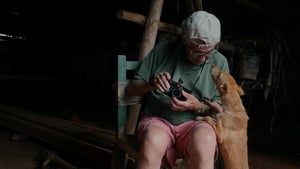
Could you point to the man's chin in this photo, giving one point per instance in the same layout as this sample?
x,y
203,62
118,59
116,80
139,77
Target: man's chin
x,y
198,62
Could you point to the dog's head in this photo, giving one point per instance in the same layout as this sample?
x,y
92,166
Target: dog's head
x,y
225,83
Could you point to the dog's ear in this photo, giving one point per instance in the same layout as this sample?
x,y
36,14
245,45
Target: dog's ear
x,y
240,91
223,87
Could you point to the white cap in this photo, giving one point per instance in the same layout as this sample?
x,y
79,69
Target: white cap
x,y
204,26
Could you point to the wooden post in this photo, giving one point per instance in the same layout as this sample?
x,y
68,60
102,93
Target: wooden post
x,y
151,28
148,42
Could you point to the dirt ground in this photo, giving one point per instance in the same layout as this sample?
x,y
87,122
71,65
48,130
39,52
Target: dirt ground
x,y
22,152
263,158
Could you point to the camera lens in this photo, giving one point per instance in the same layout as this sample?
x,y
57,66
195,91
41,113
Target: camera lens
x,y
176,93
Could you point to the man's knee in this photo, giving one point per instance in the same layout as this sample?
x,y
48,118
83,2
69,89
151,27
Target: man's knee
x,y
156,138
203,135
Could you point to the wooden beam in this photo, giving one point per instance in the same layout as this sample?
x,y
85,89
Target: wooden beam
x,y
193,5
74,129
141,20
62,133
53,137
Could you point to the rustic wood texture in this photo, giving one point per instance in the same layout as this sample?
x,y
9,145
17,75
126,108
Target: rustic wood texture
x,y
75,137
151,28
141,19
132,120
148,42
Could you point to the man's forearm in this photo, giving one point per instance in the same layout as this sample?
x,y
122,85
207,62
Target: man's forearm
x,y
138,88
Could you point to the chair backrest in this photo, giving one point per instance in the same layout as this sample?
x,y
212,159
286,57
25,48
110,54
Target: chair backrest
x,y
128,107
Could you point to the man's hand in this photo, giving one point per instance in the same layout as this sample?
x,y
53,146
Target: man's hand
x,y
193,104
190,104
161,81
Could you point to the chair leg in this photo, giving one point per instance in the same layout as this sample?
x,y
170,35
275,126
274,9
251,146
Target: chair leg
x,y
119,159
219,162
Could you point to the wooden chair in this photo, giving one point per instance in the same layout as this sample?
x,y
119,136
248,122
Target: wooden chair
x,y
128,108
127,115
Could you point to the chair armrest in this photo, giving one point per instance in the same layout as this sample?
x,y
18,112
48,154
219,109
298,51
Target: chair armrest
x,y
123,99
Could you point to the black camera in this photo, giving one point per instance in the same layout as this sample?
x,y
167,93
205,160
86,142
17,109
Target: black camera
x,y
176,88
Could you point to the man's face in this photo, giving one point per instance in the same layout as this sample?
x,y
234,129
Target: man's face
x,y
195,54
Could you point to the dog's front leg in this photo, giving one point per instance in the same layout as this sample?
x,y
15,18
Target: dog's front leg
x,y
208,120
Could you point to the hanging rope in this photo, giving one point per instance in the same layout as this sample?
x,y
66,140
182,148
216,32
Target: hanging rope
x,y
277,81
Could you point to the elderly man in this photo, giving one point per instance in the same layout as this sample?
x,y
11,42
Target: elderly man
x,y
167,125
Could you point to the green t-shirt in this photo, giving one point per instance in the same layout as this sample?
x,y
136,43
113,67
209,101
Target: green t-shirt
x,y
171,57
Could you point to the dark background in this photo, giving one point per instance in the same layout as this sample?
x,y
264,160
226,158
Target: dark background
x,y
61,60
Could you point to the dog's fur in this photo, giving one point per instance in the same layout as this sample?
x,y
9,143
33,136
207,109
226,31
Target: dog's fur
x,y
231,124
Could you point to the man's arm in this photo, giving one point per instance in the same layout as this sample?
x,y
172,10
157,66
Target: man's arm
x,y
138,87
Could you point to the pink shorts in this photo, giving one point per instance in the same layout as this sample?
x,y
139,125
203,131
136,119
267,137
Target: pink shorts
x,y
179,135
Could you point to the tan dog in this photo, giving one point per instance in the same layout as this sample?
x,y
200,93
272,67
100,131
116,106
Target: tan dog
x,y
231,124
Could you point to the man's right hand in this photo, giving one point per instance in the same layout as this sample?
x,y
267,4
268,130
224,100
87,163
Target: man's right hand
x,y
161,81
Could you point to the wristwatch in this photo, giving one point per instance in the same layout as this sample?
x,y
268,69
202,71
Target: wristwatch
x,y
203,108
